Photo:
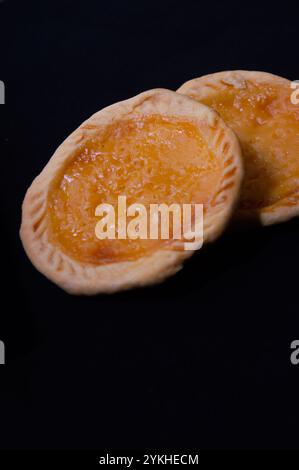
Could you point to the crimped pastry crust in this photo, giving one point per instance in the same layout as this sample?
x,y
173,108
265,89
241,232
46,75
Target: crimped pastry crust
x,y
209,86
82,278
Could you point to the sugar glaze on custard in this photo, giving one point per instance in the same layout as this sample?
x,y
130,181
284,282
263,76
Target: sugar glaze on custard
x,y
149,159
267,124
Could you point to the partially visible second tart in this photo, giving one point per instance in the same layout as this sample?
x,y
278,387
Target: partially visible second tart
x,y
158,147
259,109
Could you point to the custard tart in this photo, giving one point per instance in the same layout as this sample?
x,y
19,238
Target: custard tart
x,y
157,148
258,107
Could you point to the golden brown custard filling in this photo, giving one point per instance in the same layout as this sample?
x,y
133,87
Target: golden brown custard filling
x,y
151,159
267,124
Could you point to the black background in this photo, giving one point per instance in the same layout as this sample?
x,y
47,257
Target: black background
x,y
201,361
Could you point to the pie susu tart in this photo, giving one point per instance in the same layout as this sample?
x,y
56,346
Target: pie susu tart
x,y
158,147
258,108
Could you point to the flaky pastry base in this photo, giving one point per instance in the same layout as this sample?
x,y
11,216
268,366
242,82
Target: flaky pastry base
x,y
81,278
208,86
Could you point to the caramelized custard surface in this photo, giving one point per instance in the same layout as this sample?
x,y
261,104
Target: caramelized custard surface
x,y
149,159
267,124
